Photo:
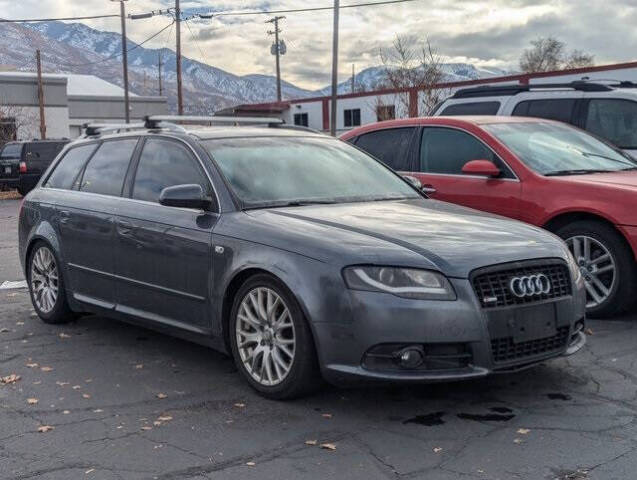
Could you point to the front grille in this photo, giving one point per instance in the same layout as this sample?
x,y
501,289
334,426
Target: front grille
x,y
504,349
492,284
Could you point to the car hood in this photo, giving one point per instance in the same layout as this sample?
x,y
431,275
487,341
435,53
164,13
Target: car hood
x,y
616,179
419,232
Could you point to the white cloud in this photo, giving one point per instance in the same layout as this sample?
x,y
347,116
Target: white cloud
x,y
484,32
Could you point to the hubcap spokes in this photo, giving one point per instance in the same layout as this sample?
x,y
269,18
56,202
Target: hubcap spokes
x,y
597,266
44,279
265,336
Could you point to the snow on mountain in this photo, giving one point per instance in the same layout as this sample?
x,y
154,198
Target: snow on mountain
x,y
78,48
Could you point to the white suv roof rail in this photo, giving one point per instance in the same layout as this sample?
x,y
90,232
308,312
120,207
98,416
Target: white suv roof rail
x,y
153,121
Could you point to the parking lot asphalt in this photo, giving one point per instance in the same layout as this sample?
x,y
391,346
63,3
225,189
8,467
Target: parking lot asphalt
x,y
127,403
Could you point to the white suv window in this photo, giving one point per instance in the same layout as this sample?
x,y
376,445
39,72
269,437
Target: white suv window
x,y
613,119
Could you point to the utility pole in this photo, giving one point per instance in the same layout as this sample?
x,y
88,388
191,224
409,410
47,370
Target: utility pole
x,y
180,98
159,72
353,78
278,49
122,10
40,96
334,69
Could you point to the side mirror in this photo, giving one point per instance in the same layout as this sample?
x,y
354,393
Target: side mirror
x,y
414,181
184,196
483,168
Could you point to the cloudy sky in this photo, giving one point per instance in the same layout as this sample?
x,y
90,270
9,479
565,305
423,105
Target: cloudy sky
x,y
482,32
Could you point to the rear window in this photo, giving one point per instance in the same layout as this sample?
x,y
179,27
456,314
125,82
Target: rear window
x,y
390,145
11,150
69,167
474,108
106,171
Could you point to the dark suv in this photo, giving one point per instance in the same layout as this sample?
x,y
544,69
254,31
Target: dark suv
x,y
295,252
23,163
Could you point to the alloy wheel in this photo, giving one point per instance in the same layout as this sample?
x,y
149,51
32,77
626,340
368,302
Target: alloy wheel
x,y
44,279
265,336
597,266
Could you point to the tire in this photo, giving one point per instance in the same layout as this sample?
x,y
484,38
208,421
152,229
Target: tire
x,y
619,283
265,369
43,278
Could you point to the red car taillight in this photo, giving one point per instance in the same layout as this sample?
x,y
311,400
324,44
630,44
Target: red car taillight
x,y
23,167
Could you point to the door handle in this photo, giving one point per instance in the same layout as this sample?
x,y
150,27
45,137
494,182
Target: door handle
x,y
428,189
124,228
64,216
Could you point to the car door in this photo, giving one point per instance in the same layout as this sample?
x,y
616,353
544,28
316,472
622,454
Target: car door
x,y
86,218
163,259
444,151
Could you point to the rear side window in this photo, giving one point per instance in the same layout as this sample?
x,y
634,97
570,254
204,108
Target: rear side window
x,y
165,163
445,150
613,119
391,146
69,167
106,171
560,109
474,108
11,150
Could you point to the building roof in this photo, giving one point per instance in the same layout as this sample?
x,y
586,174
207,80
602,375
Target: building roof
x,y
77,85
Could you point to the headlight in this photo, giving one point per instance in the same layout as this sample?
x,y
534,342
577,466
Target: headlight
x,y
574,268
402,282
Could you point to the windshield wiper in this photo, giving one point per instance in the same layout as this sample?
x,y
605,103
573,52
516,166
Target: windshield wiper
x,y
580,171
292,203
592,154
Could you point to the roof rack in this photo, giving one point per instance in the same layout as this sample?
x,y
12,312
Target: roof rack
x,y
504,90
92,129
156,121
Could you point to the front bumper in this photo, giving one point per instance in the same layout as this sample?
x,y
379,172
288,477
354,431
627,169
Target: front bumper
x,y
457,331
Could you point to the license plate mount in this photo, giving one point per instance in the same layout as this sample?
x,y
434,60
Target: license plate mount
x,y
533,323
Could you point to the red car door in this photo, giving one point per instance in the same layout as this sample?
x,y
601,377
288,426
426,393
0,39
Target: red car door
x,y
442,154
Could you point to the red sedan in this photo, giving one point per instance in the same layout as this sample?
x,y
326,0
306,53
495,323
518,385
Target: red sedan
x,y
538,171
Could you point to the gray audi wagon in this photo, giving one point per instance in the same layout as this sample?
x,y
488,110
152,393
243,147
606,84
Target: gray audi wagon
x,y
298,254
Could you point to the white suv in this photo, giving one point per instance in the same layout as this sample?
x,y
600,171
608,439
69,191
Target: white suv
x,y
606,110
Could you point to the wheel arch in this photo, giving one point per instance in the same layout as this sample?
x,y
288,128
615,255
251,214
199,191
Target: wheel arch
x,y
230,292
558,221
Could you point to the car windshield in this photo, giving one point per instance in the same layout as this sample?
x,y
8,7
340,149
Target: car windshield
x,y
277,171
555,149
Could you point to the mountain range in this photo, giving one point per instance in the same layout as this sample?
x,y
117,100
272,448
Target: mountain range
x,y
78,48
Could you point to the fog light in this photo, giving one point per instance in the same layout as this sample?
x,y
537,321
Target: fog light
x,y
411,357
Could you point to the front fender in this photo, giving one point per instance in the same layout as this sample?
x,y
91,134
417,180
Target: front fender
x,y
317,286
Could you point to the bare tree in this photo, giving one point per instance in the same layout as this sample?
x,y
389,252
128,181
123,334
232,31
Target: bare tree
x,y
549,53
412,64
17,123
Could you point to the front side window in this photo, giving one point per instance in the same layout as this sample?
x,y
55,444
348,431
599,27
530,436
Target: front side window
x,y
301,119
352,117
274,171
446,150
106,171
560,109
554,149
390,145
68,169
614,120
165,163
473,108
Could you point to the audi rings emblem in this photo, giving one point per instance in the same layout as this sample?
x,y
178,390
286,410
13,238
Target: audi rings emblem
x,y
529,286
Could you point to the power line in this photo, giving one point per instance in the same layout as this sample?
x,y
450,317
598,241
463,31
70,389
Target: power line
x,y
297,10
116,55
29,20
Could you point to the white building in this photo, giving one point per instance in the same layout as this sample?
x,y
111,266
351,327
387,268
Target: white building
x,y
357,109
69,101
